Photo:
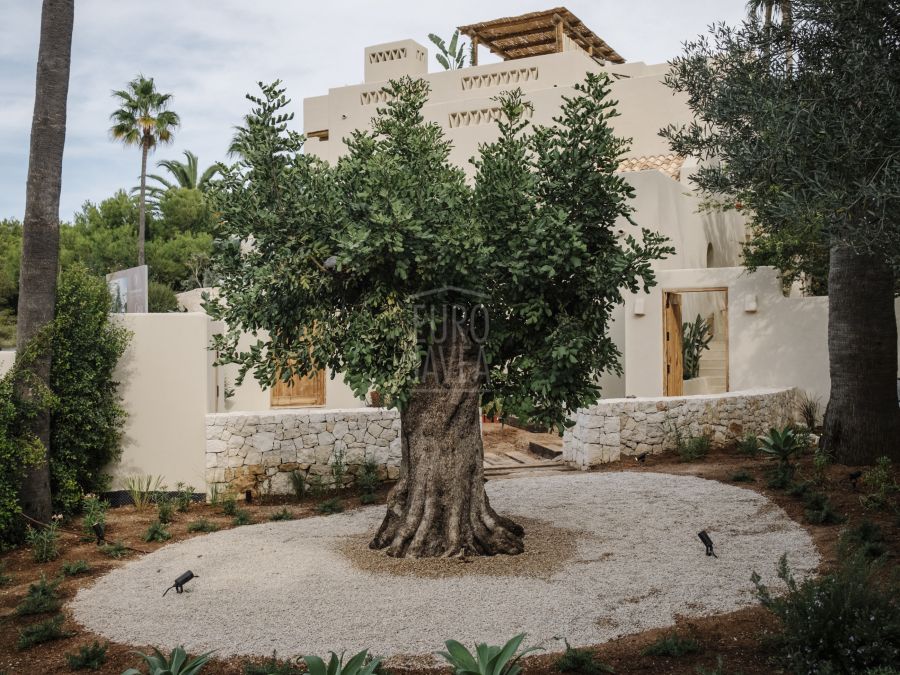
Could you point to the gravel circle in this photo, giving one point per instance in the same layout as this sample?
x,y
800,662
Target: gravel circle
x,y
286,586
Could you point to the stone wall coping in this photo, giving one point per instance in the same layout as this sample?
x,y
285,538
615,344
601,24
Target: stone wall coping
x,y
743,393
237,414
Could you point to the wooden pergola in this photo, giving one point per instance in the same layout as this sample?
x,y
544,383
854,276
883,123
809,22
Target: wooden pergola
x,y
534,34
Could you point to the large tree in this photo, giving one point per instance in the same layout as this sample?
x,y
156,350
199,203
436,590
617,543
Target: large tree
x,y
800,123
143,119
394,270
40,231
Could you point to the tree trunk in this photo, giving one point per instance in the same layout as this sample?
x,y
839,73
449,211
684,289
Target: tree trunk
x,y
40,232
439,506
141,206
862,421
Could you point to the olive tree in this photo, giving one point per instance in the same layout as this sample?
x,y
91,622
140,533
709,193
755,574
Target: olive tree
x,y
800,123
392,268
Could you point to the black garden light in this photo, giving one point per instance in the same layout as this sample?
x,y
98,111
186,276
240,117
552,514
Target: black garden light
x,y
248,496
854,476
707,542
641,457
180,582
98,532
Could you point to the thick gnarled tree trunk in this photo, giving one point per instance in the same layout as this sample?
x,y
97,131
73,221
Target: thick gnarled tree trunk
x,y
40,232
862,421
439,506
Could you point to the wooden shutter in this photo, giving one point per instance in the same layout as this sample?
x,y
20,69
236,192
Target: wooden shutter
x,y
674,365
299,392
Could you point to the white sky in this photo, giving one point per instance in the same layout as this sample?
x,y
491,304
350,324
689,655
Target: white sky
x,y
209,53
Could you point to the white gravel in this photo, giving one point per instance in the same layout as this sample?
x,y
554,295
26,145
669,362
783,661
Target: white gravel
x,y
283,586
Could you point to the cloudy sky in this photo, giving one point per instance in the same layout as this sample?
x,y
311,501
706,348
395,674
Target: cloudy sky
x,y
209,53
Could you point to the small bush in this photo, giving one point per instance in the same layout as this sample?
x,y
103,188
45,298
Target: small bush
x,y
241,517
329,506
810,408
157,532
75,567
367,479
368,498
842,622
161,298
284,514
742,476
94,510
202,525
165,509
88,657
229,506
298,484
780,477
316,486
880,485
143,489
41,632
338,469
749,445
44,542
114,550
819,510
691,448
41,598
783,444
580,661
487,659
865,539
177,663
184,497
672,644
272,666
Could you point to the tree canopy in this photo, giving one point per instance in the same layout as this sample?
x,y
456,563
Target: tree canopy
x,y
333,262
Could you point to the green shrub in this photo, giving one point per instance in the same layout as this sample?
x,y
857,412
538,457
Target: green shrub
x,y
329,506
672,644
88,657
75,567
41,598
487,659
316,485
41,632
843,622
272,666
94,510
86,426
338,469
693,448
819,510
114,550
241,517
157,532
19,448
780,477
177,663
810,408
367,479
580,661
44,542
229,505
161,298
865,539
298,484
184,496
749,445
742,476
143,490
880,485
359,664
284,514
783,444
202,525
165,509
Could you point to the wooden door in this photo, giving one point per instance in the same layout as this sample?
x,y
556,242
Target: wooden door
x,y
674,365
299,392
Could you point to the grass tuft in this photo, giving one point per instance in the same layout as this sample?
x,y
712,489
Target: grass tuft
x,y
672,644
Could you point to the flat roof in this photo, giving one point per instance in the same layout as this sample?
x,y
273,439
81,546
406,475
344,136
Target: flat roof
x,y
538,33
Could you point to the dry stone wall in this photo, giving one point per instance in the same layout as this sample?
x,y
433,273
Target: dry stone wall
x,y
258,451
631,426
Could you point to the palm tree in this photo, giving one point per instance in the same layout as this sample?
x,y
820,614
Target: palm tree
x,y
182,175
40,230
143,119
768,9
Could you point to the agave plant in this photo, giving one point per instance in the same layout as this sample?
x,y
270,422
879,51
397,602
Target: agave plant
x,y
488,659
782,445
359,664
177,663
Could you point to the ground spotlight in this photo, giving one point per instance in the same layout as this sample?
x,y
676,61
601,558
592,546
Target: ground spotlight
x,y
180,582
98,532
641,457
707,542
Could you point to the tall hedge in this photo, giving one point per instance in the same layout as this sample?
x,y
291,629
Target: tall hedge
x,y
86,426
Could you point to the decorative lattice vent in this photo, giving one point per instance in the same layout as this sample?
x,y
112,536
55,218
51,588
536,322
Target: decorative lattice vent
x,y
499,79
667,164
387,55
374,97
471,118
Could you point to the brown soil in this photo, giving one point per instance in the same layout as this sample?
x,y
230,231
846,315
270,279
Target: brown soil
x,y
546,549
738,637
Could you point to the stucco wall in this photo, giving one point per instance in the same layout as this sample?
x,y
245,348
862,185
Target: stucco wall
x,y
632,426
783,343
258,451
7,357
